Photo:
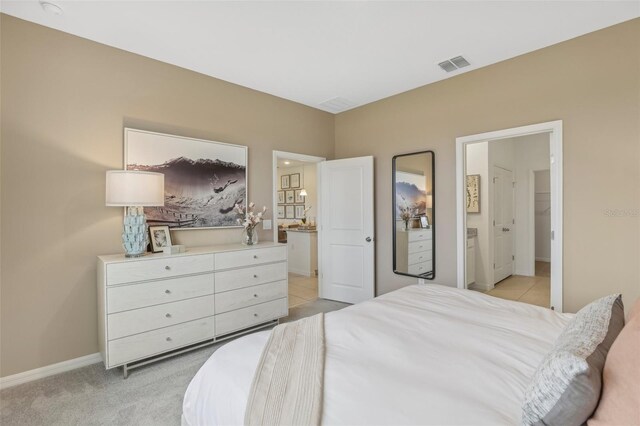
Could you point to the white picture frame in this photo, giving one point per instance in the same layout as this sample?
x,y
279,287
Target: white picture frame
x,y
295,180
285,182
280,197
289,197
281,213
299,213
290,212
299,199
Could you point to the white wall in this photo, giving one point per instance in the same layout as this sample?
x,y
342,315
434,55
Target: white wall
x,y
543,215
477,164
522,156
531,154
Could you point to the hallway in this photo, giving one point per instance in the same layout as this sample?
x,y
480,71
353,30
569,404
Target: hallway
x,y
533,290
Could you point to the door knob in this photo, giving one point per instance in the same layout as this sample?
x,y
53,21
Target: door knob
x,y
368,239
505,229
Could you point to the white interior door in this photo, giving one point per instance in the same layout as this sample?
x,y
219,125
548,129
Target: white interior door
x,y
346,231
503,223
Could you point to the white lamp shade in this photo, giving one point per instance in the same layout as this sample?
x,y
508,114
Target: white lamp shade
x,y
303,193
134,188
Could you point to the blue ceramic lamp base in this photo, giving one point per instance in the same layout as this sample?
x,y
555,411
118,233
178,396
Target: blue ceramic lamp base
x,y
135,237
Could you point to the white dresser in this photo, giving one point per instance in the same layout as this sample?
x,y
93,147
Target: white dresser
x,y
160,305
414,251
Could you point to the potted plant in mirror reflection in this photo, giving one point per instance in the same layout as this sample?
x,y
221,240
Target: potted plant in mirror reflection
x,y
406,213
303,219
249,220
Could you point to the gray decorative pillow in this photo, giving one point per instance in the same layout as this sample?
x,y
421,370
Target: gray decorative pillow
x,y
565,388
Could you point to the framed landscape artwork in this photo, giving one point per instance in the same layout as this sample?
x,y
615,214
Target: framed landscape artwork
x,y
203,180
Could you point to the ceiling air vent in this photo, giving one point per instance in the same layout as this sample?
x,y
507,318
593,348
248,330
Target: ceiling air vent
x,y
336,105
454,63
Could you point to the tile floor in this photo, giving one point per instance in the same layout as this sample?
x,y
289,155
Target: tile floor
x,y
302,289
533,290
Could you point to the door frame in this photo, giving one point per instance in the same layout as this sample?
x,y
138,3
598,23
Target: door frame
x,y
554,128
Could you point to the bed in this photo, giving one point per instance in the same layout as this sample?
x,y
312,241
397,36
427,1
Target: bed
x,y
421,354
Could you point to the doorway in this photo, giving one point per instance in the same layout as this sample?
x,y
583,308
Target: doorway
x,y
296,210
509,190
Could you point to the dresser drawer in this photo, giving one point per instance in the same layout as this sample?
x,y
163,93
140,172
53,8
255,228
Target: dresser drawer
x,y
418,246
236,299
152,269
134,296
422,235
245,277
144,345
127,323
420,268
250,257
420,257
246,317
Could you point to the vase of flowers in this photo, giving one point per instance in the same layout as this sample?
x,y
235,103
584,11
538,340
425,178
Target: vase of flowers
x,y
249,220
406,213
304,216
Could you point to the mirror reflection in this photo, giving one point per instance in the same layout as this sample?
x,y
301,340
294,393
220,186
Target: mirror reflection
x,y
413,206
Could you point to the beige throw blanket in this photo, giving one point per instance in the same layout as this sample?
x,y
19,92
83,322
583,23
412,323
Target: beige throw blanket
x,y
287,386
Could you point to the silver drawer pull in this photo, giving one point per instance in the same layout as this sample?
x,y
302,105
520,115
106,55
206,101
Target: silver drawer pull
x,y
167,267
168,315
167,291
255,256
168,339
255,315
255,295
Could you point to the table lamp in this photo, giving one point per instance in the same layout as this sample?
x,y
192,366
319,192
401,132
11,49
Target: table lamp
x,y
134,190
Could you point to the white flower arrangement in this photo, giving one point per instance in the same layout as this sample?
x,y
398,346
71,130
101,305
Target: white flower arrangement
x,y
247,217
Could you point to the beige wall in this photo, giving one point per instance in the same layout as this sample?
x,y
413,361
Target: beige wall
x,y
592,83
65,101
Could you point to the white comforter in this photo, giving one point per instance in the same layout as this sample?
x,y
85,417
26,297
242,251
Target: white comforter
x,y
424,354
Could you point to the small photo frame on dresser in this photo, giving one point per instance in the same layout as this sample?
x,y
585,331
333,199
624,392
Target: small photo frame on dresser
x,y
160,237
424,222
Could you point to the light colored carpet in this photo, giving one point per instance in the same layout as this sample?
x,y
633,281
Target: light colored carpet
x,y
152,395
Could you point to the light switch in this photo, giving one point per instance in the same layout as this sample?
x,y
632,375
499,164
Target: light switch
x,y
266,224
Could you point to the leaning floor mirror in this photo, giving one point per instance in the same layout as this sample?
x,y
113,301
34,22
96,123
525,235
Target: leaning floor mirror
x,y
413,215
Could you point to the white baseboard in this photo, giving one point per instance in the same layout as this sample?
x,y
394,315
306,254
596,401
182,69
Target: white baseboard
x,y
49,370
300,272
481,287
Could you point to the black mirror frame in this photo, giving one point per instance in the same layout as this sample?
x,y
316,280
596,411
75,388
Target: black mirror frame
x,y
432,275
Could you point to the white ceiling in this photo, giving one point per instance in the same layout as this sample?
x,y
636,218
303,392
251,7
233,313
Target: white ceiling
x,y
315,51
